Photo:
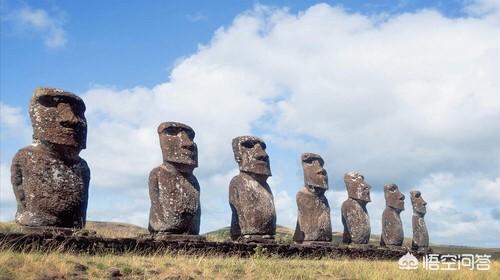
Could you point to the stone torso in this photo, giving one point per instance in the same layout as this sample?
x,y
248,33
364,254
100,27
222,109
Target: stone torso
x,y
49,190
392,228
356,222
420,234
175,201
313,221
252,206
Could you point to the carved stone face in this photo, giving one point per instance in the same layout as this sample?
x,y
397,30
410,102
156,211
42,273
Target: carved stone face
x,y
250,154
357,187
315,176
393,197
58,117
177,145
418,203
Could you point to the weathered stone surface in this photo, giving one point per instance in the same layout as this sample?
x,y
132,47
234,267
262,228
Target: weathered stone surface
x,y
354,214
313,219
173,189
49,179
251,200
177,237
420,235
392,227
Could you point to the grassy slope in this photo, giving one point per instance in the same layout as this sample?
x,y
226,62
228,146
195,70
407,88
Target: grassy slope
x,y
62,266
171,266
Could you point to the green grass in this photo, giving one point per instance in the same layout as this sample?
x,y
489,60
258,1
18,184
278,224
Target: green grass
x,y
62,266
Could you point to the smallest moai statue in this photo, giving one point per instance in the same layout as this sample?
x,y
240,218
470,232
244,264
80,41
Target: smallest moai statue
x,y
173,189
313,221
392,228
354,214
420,235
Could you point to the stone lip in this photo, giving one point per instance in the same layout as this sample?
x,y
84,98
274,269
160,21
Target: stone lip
x,y
47,242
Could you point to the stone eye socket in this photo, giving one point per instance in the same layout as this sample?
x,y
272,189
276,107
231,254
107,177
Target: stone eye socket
x,y
49,101
54,101
175,131
172,131
313,161
309,160
248,144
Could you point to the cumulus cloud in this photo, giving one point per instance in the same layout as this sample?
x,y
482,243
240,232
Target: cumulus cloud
x,y
483,8
39,22
408,98
13,124
398,99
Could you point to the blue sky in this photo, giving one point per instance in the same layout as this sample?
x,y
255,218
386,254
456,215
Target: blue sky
x,y
403,91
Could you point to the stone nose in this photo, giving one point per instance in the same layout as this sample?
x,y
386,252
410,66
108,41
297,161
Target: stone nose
x,y
66,115
186,142
260,154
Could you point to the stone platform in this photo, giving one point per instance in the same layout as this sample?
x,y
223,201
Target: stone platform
x,y
48,242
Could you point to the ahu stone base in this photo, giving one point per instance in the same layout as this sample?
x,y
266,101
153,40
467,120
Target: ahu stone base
x,y
47,242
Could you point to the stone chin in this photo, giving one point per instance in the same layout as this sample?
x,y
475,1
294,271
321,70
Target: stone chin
x,y
316,181
363,197
266,171
184,165
422,211
75,140
397,206
317,189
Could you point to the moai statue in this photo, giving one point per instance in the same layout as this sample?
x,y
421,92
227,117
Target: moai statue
x,y
354,215
420,235
251,200
392,228
173,189
313,221
50,179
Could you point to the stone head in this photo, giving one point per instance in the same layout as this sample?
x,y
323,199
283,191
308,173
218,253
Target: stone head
x,y
57,117
315,176
418,203
250,154
357,187
178,146
393,197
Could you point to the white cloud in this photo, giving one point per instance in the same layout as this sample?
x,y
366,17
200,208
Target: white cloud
x,y
6,193
41,23
13,123
286,209
483,7
487,192
396,98
14,129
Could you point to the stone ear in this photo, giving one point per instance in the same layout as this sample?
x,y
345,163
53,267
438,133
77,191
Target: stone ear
x,y
238,159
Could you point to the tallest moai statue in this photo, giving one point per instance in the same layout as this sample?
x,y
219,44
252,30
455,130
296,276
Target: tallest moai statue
x,y
49,178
